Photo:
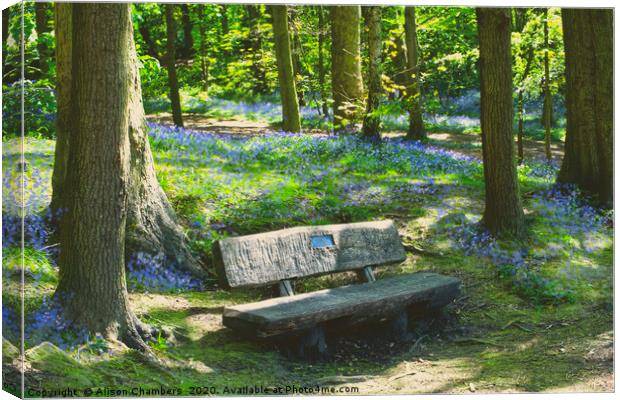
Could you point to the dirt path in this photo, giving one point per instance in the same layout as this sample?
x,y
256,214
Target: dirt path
x,y
463,143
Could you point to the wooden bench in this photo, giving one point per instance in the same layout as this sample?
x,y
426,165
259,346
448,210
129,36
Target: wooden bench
x,y
276,258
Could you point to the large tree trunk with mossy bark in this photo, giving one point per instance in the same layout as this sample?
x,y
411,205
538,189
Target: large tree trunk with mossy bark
x,y
347,88
92,286
173,83
416,124
588,156
151,222
288,94
503,212
372,120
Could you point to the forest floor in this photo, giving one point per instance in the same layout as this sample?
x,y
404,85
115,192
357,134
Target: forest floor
x,y
465,143
536,315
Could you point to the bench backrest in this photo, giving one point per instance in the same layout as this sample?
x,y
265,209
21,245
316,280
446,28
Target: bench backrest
x,y
270,257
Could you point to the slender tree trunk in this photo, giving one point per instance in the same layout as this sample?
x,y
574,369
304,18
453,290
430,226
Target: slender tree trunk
x,y
372,121
321,62
399,59
42,27
173,83
296,54
588,157
520,157
92,284
255,45
347,85
546,90
503,212
143,28
63,17
288,94
416,124
520,111
204,61
5,26
188,39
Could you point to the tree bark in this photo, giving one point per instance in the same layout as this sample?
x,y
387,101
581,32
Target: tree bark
x,y
253,16
503,212
188,39
288,94
372,121
204,61
588,157
63,16
321,62
92,284
546,89
296,53
151,222
173,83
347,88
42,27
416,124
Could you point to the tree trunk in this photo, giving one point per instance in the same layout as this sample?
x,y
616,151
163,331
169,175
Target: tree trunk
x,y
6,14
416,124
296,53
171,35
92,284
588,157
63,17
254,46
188,39
41,26
546,90
520,131
372,120
503,212
347,88
151,221
321,62
204,61
288,94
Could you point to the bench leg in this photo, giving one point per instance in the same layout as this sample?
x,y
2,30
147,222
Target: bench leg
x,y
307,345
398,326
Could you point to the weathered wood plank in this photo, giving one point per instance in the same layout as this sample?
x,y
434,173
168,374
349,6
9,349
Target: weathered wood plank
x,y
270,257
377,299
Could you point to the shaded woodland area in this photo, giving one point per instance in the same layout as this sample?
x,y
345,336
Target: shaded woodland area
x,y
151,131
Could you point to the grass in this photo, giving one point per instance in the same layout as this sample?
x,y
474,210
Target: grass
x,y
508,336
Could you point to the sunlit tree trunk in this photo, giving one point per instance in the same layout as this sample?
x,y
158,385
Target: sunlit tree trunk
x,y
151,222
288,94
588,157
92,284
372,120
204,61
173,83
546,89
347,88
321,62
503,212
296,53
416,124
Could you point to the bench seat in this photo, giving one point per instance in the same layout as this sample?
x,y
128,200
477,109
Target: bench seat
x,y
381,298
